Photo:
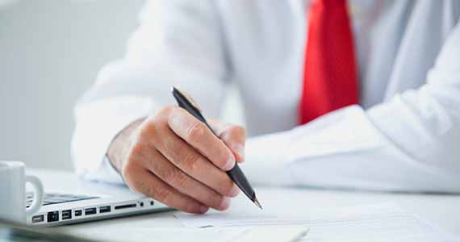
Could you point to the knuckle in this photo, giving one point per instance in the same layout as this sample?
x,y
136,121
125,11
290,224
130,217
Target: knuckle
x,y
238,130
170,145
153,190
137,149
190,161
195,132
226,187
181,180
216,200
190,207
173,176
161,194
165,110
147,129
221,162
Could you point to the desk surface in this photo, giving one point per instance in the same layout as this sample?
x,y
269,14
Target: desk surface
x,y
440,210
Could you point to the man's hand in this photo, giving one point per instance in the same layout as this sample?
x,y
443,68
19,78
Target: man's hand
x,y
177,160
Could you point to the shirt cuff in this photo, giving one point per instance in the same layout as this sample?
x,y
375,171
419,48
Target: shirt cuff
x,y
97,125
266,160
282,158
106,173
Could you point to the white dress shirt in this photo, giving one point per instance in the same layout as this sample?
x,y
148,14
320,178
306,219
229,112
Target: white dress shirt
x,y
404,135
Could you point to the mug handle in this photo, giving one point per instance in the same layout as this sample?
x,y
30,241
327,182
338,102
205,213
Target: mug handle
x,y
38,195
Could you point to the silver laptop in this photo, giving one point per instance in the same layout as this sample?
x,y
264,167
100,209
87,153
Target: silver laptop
x,y
69,200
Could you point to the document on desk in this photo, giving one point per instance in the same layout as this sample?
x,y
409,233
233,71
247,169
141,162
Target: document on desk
x,y
240,234
406,228
373,222
240,214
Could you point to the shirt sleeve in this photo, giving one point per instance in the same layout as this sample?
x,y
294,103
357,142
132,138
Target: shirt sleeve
x,y
410,143
178,43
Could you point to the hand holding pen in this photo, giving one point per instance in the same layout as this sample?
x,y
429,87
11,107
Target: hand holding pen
x,y
176,159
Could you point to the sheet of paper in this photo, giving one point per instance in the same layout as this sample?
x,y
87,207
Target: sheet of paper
x,y
372,222
246,234
240,214
391,229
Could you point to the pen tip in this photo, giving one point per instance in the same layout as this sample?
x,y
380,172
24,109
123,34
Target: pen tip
x,y
257,203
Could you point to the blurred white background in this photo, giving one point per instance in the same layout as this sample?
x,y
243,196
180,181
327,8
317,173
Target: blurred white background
x,y
50,52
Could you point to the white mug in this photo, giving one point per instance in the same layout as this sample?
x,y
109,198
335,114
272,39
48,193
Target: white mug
x,y
13,192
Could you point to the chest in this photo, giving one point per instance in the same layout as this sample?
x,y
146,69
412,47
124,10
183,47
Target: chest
x,y
397,43
266,42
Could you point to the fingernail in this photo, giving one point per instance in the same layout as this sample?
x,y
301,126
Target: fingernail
x,y
203,209
229,164
235,191
224,204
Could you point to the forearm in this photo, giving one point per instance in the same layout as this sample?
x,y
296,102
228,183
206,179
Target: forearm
x,y
346,150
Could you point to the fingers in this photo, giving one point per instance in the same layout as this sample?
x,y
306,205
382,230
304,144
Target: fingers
x,y
233,136
185,184
201,138
177,160
193,163
146,183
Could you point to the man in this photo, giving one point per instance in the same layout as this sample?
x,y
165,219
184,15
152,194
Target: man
x,y
359,97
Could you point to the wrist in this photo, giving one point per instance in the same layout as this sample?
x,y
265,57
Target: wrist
x,y
118,149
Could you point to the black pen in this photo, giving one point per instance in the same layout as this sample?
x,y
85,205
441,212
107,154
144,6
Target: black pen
x,y
235,173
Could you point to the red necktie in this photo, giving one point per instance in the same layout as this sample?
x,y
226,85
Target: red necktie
x,y
330,78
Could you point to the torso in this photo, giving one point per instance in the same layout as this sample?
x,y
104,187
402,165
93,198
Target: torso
x,y
266,44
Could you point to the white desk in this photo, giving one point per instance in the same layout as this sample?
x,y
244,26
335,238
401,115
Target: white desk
x,y
440,210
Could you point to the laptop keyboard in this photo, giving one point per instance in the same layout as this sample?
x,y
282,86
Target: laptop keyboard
x,y
56,198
